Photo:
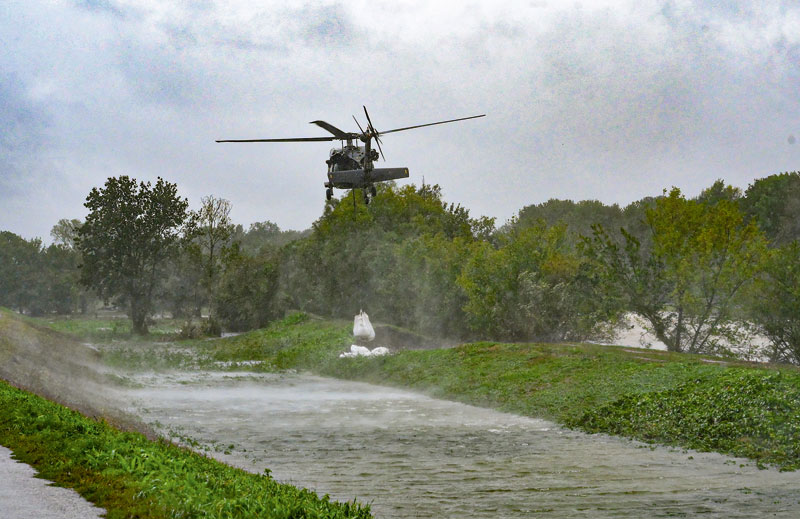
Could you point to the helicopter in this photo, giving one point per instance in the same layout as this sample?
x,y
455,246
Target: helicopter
x,y
352,166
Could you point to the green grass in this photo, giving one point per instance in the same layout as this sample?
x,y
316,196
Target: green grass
x,y
746,412
107,328
676,399
131,476
297,342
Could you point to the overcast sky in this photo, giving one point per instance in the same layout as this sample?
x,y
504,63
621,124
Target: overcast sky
x,y
607,100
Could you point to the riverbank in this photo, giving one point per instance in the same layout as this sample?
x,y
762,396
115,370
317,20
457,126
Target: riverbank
x,y
691,401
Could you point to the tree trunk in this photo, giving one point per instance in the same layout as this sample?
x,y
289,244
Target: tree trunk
x,y
138,318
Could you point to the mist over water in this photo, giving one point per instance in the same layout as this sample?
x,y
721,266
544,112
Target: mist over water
x,y
413,456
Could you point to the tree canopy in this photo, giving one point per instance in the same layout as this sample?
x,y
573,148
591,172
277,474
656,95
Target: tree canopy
x,y
684,282
130,230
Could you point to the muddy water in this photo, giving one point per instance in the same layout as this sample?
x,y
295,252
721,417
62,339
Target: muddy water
x,y
413,456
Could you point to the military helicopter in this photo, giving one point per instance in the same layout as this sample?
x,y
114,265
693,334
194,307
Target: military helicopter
x,y
351,166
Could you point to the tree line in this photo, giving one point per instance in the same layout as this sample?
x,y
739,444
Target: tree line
x,y
704,273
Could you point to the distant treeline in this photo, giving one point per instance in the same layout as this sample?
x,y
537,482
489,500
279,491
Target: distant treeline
x,y
705,273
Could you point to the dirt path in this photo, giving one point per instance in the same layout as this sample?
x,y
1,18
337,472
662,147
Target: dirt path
x,y
23,496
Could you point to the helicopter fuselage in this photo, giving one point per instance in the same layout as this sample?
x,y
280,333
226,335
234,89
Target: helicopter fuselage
x,y
351,167
350,157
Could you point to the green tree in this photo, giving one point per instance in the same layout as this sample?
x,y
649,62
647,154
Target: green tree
x,y
686,279
775,303
577,216
210,233
531,288
22,285
245,294
719,191
60,272
65,232
130,231
355,256
63,259
422,284
183,293
774,203
265,234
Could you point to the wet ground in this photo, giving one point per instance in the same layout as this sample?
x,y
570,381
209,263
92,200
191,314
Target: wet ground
x,y
413,456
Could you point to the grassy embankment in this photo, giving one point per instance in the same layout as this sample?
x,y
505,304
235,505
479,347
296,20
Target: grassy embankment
x,y
124,472
674,399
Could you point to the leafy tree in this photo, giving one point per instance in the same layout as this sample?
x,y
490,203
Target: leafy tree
x,y
213,229
183,294
775,303
357,257
685,281
421,289
38,280
21,281
719,191
246,290
64,293
130,231
63,259
65,232
531,288
209,233
265,234
578,217
774,203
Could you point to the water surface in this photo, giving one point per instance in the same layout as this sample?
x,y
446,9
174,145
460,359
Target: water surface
x,y
413,456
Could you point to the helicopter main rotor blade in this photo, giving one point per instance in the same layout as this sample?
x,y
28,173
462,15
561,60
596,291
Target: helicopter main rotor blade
x,y
339,134
378,142
369,121
359,125
374,133
299,139
432,124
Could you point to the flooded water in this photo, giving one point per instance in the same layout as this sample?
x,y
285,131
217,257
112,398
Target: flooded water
x,y
413,456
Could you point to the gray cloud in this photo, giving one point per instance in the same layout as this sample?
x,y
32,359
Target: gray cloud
x,y
22,135
325,25
102,6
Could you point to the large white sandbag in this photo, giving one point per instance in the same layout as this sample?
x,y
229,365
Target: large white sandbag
x,y
361,351
362,328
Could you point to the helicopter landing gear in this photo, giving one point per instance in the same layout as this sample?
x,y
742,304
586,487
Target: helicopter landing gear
x,y
328,194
